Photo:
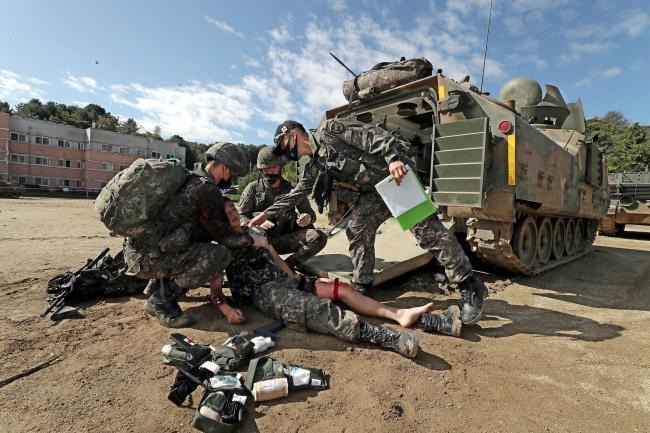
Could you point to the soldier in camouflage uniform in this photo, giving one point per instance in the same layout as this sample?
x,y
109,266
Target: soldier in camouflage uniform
x,y
361,155
181,251
259,276
291,232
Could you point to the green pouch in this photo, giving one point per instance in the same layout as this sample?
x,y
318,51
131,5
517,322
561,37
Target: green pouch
x,y
219,411
233,353
263,368
266,368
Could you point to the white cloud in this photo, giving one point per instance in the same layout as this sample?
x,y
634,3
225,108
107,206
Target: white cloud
x,y
207,112
611,72
264,134
337,5
581,51
223,26
629,22
251,61
15,88
281,34
81,84
80,103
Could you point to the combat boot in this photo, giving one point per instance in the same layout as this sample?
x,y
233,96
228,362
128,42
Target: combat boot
x,y
401,342
447,323
162,304
472,292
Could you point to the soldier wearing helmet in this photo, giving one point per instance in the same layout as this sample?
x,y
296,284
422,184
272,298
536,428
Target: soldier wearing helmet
x,y
180,250
291,231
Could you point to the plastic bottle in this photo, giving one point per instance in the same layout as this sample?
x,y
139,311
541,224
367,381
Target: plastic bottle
x,y
169,352
270,389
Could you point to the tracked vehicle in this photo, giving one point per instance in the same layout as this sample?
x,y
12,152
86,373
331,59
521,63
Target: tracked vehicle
x,y
629,202
514,176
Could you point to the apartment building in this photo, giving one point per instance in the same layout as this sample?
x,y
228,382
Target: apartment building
x,y
55,156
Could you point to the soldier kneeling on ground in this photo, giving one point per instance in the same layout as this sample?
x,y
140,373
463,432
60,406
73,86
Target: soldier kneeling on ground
x,y
259,276
179,248
289,232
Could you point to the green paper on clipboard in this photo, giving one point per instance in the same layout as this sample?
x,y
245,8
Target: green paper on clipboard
x,y
408,202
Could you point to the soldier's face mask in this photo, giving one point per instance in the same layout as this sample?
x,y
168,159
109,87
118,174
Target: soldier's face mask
x,y
226,179
291,149
272,174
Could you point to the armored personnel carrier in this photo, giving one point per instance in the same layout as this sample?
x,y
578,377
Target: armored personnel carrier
x,y
629,202
514,176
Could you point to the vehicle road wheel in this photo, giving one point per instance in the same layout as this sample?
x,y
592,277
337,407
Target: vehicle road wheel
x,y
559,231
524,240
544,240
570,237
581,236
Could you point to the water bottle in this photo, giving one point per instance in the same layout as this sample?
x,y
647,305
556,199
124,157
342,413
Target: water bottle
x,y
173,354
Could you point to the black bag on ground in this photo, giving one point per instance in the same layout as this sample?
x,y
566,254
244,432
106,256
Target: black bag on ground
x,y
219,411
386,75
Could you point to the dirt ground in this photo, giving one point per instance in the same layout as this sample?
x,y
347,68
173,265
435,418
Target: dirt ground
x,y
566,351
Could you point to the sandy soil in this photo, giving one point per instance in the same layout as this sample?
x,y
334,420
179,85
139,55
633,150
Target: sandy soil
x,y
567,351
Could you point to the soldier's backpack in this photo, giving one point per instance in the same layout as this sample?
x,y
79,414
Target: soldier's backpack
x,y
384,76
136,194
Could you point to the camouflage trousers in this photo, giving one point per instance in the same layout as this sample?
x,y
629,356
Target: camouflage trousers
x,y
190,268
303,243
366,217
301,310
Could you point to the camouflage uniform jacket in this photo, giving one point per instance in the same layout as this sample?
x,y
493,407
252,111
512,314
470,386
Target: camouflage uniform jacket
x,y
259,195
354,152
197,209
250,269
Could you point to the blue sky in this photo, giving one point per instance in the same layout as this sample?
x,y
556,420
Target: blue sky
x,y
224,70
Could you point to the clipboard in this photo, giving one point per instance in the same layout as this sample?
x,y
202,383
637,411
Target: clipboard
x,y
409,203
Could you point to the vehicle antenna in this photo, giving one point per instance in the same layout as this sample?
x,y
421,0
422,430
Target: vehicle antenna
x,y
487,38
343,64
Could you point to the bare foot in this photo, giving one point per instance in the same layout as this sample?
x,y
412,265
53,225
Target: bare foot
x,y
407,316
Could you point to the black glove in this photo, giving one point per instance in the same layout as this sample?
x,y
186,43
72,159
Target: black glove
x,y
322,189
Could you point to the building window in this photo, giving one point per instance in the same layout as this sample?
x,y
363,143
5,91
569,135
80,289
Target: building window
x,y
64,182
41,160
81,146
42,140
124,150
138,152
107,148
65,163
102,184
107,166
17,136
79,183
168,156
63,143
17,158
2,177
19,179
155,154
42,181
123,167
80,164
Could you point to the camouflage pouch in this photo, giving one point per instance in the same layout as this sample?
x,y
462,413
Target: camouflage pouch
x,y
177,240
219,411
266,368
233,353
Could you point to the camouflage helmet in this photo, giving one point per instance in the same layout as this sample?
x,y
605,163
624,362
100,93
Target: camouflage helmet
x,y
267,159
228,154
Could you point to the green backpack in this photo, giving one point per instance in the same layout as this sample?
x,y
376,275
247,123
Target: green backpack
x,y
136,194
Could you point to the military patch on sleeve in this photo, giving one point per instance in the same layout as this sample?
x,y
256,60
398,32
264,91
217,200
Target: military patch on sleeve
x,y
336,126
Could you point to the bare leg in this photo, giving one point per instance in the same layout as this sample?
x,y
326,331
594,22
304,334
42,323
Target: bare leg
x,y
369,307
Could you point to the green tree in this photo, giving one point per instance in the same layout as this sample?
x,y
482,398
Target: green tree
x,y
129,126
5,107
107,121
627,145
155,133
